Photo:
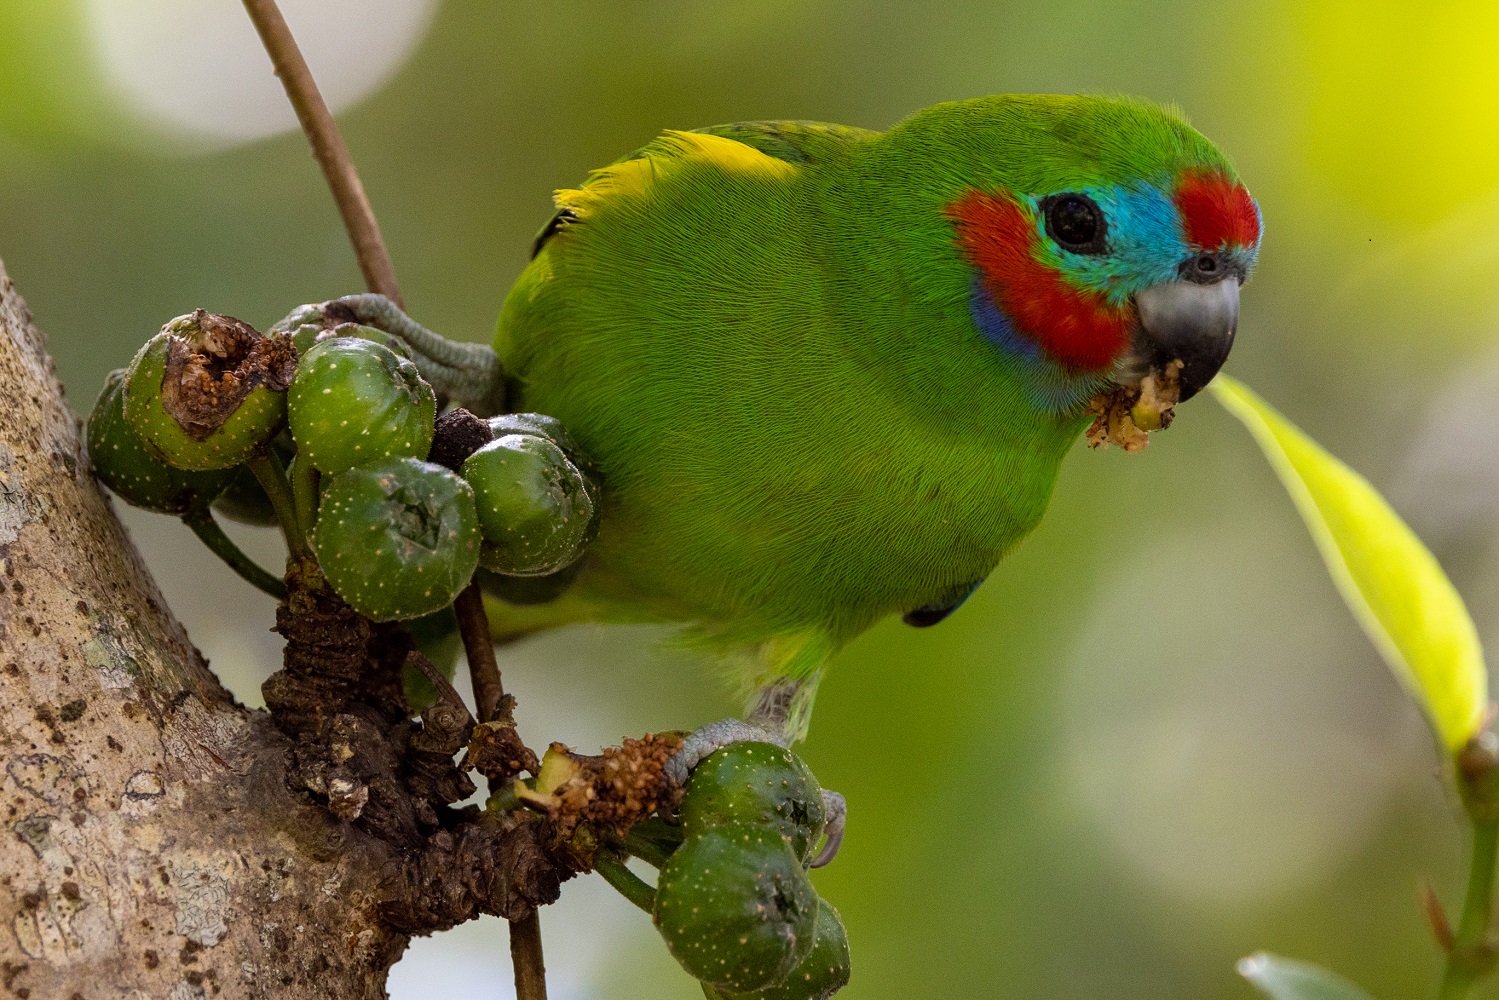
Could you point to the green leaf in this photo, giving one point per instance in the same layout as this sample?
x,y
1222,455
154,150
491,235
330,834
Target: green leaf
x,y
1390,580
1285,979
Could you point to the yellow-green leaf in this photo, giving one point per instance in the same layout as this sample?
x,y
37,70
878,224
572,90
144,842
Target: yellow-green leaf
x,y
1389,579
1284,979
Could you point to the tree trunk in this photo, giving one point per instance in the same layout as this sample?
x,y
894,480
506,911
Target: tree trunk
x,y
156,850
168,843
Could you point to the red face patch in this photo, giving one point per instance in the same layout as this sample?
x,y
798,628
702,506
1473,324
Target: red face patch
x,y
1216,212
1078,329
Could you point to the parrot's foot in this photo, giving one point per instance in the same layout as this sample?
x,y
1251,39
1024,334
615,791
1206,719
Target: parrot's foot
x,y
837,810
468,374
709,739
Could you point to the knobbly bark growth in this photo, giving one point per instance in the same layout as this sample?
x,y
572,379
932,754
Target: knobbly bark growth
x,y
162,841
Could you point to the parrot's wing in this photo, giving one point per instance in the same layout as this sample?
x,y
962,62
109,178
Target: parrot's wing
x,y
793,141
743,144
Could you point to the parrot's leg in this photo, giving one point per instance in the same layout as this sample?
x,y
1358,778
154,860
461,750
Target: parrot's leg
x,y
785,684
770,721
469,374
784,706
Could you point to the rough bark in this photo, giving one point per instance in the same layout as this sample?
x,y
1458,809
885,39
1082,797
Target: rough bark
x,y
153,849
163,842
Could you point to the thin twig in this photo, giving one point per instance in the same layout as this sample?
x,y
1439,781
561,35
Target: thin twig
x,y
525,956
489,696
478,645
328,146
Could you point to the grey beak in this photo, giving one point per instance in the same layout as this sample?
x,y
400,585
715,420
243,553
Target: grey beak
x,y
1188,322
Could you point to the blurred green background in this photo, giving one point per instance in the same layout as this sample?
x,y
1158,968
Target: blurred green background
x,y
1154,741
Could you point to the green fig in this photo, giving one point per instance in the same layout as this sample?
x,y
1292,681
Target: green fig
x,y
209,391
822,973
136,474
534,425
735,907
398,539
535,508
758,783
354,402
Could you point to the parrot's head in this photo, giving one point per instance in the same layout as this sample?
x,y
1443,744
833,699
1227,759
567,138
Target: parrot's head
x,y
1105,240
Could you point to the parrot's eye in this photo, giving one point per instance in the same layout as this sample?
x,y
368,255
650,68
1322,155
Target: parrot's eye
x,y
1076,222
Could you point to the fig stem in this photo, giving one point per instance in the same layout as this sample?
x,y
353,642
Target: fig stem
x,y
625,882
271,475
1471,956
327,146
210,534
647,850
304,490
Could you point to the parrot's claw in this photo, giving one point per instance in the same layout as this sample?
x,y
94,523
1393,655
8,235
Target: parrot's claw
x,y
837,810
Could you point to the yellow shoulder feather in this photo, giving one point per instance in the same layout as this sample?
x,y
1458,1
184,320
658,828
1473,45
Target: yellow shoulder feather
x,y
670,152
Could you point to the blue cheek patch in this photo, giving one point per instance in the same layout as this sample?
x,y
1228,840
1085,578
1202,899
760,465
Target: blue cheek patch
x,y
1145,245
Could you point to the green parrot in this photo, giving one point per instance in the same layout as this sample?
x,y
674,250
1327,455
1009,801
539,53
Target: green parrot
x,y
827,374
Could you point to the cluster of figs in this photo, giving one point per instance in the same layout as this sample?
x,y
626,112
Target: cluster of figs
x,y
327,428
733,901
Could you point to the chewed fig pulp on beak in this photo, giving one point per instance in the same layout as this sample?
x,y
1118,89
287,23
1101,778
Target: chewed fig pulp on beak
x,y
1125,415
